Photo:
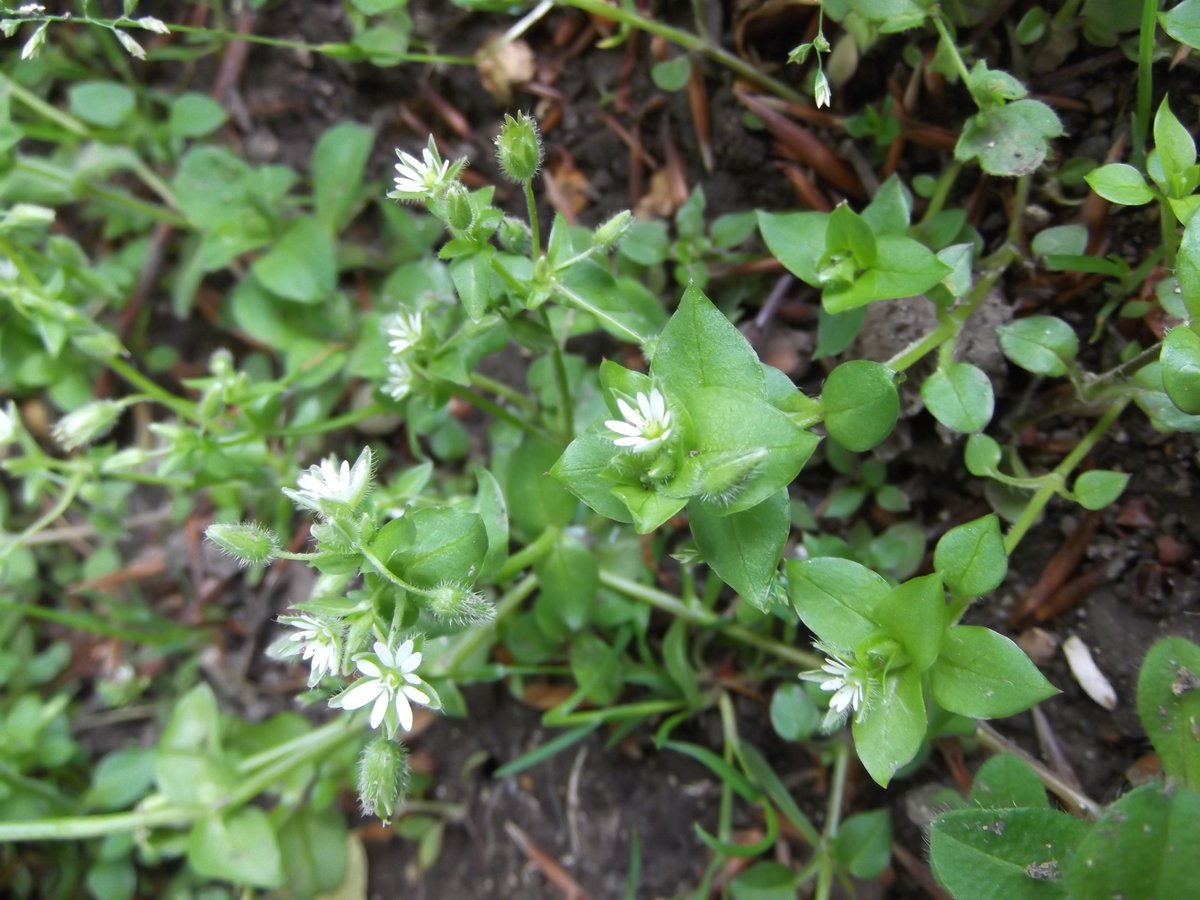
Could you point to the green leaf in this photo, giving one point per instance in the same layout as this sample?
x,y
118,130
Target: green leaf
x,y
863,845
1120,183
960,397
597,668
568,577
1009,140
889,731
439,544
700,349
719,767
583,470
121,778
797,240
1182,22
671,74
195,723
993,854
904,268
1180,359
745,451
678,663
338,162
1176,150
765,881
984,675
848,232
301,266
535,500
312,844
104,103
1168,702
1044,345
836,332
794,716
1060,240
914,613
238,847
472,277
492,509
971,557
981,455
860,403
1006,781
1188,269
194,115
836,598
1098,488
1143,847
744,548
646,243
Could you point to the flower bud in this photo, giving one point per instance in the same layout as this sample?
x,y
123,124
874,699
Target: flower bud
x,y
86,424
607,235
248,542
10,424
460,605
459,213
514,235
382,777
519,148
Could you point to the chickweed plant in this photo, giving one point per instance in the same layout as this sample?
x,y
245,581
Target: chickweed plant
x,y
609,514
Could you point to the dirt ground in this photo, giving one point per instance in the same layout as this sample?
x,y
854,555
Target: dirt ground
x,y
1136,577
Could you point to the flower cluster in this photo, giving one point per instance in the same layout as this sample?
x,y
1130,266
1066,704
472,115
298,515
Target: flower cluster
x,y
405,331
329,488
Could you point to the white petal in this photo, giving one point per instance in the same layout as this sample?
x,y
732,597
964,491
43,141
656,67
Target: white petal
x,y
410,665
385,654
630,414
632,441
416,696
658,406
362,694
379,710
621,427
404,710
369,668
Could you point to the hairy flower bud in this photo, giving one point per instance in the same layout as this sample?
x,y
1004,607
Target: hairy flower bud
x,y
514,235
248,542
460,605
459,213
87,424
382,777
607,235
519,148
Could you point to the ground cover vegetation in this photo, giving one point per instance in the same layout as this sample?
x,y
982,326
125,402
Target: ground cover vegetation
x,y
763,396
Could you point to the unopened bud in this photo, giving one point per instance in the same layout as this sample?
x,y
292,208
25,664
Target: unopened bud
x,y
382,777
514,235
459,213
248,542
607,235
519,148
460,605
86,424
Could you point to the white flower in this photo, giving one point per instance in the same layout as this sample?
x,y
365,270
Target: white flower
x,y
821,91
423,179
390,681
152,24
320,644
10,423
643,428
850,685
400,379
30,9
403,330
330,485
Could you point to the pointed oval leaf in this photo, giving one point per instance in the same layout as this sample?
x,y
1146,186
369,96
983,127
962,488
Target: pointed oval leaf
x,y
984,675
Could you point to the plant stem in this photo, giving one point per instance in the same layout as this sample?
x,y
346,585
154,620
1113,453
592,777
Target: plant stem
x,y
185,408
1079,803
952,49
529,554
707,619
535,233
75,828
833,818
50,516
690,42
1039,500
1149,28
500,389
479,401
941,191
588,307
561,381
